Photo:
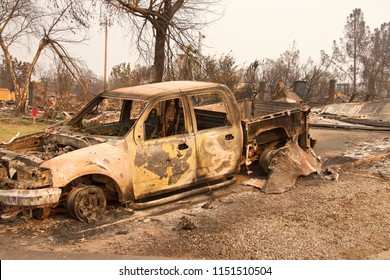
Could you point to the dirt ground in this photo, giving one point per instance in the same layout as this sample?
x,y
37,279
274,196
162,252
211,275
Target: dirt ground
x,y
319,218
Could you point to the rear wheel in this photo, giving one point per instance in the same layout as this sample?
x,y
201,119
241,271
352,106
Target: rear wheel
x,y
86,203
267,155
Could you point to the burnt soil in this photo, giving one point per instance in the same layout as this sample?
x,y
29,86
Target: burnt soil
x,y
319,218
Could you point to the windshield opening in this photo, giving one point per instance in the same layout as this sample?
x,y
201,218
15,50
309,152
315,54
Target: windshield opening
x,y
109,116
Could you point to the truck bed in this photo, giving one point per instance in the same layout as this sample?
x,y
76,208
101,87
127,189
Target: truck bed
x,y
253,108
265,122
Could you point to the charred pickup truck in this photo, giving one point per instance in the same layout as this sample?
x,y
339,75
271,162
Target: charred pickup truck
x,y
147,145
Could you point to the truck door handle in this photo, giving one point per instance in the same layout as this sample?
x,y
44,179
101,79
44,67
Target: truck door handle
x,y
229,137
183,146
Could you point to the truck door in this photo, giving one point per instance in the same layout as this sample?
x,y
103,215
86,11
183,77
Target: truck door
x,y
164,155
218,136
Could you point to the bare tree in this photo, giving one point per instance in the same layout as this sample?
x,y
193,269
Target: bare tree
x,y
290,60
353,48
27,24
356,33
376,64
286,69
73,66
316,75
157,22
64,81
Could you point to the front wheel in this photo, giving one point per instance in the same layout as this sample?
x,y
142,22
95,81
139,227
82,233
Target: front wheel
x,y
86,203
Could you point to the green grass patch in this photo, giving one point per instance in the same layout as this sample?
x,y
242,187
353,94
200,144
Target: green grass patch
x,y
10,127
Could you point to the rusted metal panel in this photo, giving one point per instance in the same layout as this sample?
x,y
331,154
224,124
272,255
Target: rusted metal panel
x,y
261,108
287,164
219,145
110,159
163,164
281,126
272,125
217,152
25,144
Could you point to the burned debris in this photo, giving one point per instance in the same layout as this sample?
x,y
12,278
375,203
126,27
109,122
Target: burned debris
x,y
287,164
373,115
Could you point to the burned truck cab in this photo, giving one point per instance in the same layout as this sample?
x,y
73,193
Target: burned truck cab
x,y
132,145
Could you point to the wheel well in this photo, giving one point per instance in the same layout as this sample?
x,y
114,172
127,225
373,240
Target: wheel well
x,y
106,183
274,135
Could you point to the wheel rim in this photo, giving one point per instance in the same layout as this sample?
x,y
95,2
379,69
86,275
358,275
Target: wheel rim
x,y
266,157
86,203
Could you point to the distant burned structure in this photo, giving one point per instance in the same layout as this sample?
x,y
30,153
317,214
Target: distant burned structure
x,y
6,95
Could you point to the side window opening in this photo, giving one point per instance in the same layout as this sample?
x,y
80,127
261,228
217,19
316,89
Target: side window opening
x,y
165,119
210,111
131,110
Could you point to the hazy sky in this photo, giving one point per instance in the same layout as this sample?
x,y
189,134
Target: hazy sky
x,y
256,29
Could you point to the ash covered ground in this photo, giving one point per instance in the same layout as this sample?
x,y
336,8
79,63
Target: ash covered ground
x,y
319,218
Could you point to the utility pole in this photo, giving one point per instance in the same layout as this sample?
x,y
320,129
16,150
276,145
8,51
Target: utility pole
x,y
105,55
200,55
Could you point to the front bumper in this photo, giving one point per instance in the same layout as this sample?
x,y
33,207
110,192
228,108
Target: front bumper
x,y
33,197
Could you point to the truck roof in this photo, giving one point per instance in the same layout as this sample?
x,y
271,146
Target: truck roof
x,y
149,91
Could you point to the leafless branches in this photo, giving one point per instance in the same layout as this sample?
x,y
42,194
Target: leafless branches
x,y
26,24
156,22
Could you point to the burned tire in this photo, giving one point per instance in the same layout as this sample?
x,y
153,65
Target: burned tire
x,y
265,160
86,203
266,157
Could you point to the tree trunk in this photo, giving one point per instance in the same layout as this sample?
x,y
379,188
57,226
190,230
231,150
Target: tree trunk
x,y
161,26
21,100
370,89
22,91
159,51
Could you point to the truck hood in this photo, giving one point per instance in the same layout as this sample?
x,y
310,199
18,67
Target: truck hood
x,y
54,159
43,146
